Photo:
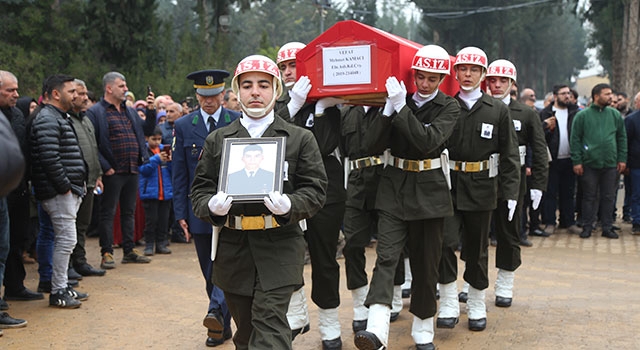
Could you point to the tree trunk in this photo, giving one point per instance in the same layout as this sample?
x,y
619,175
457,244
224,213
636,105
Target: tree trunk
x,y
630,68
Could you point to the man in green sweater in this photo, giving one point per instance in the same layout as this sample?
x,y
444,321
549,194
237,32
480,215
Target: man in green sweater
x,y
599,154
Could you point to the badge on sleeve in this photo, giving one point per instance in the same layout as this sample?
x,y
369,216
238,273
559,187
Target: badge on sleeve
x,y
487,131
310,121
517,125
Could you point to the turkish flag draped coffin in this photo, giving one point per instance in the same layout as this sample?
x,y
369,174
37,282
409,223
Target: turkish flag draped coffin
x,y
352,61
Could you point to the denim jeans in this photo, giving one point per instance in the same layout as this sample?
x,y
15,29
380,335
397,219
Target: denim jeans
x,y
44,245
560,194
62,210
4,235
604,181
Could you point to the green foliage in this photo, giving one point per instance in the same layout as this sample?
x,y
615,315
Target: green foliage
x,y
607,18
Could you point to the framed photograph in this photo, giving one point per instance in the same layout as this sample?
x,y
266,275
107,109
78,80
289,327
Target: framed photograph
x,y
250,168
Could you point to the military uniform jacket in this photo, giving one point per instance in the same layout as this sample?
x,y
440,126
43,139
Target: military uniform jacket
x,y
276,255
471,142
362,184
528,127
190,133
326,130
416,133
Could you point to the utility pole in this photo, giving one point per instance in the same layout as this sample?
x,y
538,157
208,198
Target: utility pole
x,y
322,5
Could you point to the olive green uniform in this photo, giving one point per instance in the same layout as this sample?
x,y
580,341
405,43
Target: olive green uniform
x,y
483,130
526,123
259,269
412,204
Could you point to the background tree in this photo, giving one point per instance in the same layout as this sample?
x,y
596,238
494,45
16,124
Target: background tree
x,y
615,35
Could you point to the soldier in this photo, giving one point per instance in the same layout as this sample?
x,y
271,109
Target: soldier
x,y
323,119
500,76
257,281
413,196
190,133
483,138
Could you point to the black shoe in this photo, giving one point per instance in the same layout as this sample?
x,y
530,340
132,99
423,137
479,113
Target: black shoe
x,y
3,305
538,232
72,283
615,228
462,297
64,300
227,334
88,270
358,326
610,234
627,219
77,295
526,243
503,301
635,230
585,233
178,238
44,287
163,250
394,316
214,322
446,322
406,293
7,321
367,341
73,275
303,330
478,325
428,346
24,295
333,344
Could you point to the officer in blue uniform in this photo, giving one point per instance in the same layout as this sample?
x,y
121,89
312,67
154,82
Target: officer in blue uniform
x,y
189,135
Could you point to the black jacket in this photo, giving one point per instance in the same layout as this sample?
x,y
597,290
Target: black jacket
x,y
57,165
553,137
12,164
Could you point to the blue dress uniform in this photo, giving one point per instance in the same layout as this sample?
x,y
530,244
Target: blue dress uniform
x,y
189,135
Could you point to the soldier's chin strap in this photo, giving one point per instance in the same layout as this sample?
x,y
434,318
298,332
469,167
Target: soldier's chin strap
x,y
506,92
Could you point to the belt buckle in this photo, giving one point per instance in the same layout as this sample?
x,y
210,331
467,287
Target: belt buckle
x,y
427,164
472,167
411,165
252,223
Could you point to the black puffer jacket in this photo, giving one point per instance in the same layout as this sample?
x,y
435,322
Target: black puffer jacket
x,y
57,164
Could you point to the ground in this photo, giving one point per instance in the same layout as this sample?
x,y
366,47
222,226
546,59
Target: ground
x,y
570,292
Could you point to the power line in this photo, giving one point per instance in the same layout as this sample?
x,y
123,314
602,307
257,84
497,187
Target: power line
x,y
484,9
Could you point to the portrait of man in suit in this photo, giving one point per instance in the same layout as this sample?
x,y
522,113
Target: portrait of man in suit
x,y
252,178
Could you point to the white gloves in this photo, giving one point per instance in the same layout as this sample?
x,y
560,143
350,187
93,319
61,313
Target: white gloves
x,y
536,196
388,108
298,94
279,204
397,93
220,204
325,103
511,204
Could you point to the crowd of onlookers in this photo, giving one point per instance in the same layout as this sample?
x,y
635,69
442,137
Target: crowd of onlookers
x,y
55,192
566,189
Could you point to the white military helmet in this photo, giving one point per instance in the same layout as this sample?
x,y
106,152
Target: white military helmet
x,y
288,51
432,58
263,64
471,55
502,68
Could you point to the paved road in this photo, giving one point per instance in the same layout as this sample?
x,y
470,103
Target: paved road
x,y
570,292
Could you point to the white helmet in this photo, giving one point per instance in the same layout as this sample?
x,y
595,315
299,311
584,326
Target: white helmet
x,y
432,58
471,55
288,51
263,64
502,68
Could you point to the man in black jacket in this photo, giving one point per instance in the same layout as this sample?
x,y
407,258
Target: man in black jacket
x,y
11,175
59,180
556,121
